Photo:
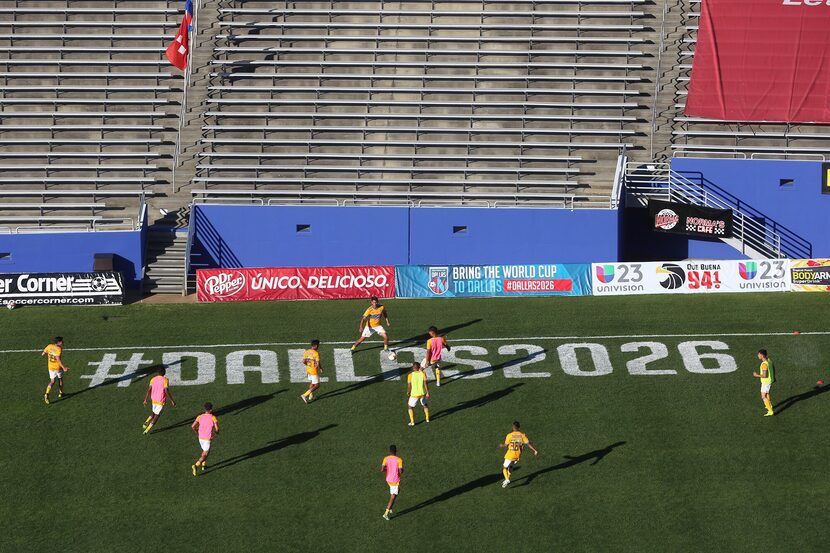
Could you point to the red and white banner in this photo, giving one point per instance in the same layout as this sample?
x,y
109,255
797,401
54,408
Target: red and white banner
x,y
294,283
762,60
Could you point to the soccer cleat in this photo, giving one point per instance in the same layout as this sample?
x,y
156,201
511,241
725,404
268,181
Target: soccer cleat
x,y
438,384
60,395
204,466
411,424
505,483
302,397
385,516
46,399
769,414
193,469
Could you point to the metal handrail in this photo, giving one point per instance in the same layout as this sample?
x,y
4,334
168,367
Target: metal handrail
x,y
142,212
785,155
658,181
619,177
188,245
801,247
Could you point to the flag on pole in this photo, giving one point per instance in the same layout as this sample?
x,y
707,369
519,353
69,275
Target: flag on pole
x,y
179,48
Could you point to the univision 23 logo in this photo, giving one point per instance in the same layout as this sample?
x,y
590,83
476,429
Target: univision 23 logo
x,y
763,274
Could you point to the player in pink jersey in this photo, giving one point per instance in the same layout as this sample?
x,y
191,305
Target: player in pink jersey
x,y
206,426
435,346
392,467
158,393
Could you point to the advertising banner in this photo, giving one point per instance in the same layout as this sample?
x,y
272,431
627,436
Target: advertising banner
x,y
466,281
294,283
103,288
691,220
762,60
690,277
810,275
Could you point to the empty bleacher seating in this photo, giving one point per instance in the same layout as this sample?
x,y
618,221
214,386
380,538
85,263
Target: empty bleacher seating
x,y
87,102
465,97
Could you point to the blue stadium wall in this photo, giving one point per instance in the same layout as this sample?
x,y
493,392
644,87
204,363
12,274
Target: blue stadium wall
x,y
274,236
787,192
73,252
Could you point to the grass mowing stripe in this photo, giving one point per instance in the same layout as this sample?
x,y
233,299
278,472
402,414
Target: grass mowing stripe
x,y
505,339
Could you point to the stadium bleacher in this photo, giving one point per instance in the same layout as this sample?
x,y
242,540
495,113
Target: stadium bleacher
x,y
88,101
471,97
464,102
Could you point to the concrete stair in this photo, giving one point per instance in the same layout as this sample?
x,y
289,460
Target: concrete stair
x,y
166,251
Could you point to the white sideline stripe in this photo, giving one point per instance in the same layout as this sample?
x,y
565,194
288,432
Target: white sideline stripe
x,y
182,347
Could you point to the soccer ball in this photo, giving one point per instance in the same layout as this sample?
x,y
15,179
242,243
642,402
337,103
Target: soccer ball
x,y
392,356
11,305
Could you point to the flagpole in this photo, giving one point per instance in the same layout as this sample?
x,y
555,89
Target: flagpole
x,y
185,87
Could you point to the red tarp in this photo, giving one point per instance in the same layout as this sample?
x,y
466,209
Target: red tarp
x,y
294,283
762,60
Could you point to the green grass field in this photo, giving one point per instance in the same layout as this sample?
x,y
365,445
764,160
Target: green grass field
x,y
682,461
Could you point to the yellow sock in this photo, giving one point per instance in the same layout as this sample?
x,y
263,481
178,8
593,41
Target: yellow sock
x,y
438,375
426,413
149,426
148,419
48,389
506,473
768,404
412,416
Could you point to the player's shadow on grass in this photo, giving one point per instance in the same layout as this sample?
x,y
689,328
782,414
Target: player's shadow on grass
x,y
422,338
270,447
139,374
233,408
497,367
792,400
478,402
455,492
597,456
391,374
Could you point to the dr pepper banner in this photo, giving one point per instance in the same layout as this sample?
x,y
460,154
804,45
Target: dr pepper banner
x,y
294,283
762,60
691,220
460,281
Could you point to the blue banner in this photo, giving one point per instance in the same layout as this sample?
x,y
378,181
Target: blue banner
x,y
466,281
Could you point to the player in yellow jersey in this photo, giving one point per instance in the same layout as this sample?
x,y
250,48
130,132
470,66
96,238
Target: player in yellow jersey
x,y
435,346
370,324
515,443
417,390
767,376
53,353
313,368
